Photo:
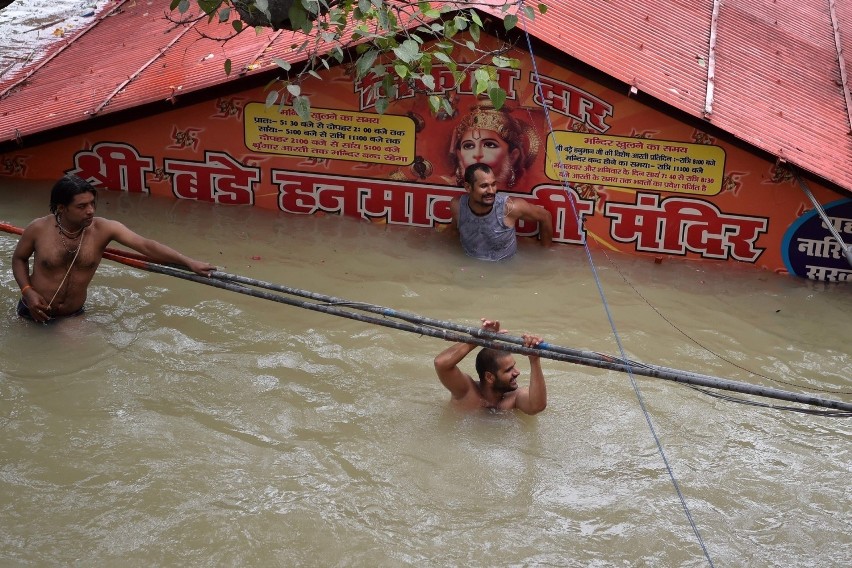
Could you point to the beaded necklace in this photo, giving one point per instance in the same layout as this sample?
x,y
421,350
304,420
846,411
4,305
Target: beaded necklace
x,y
63,232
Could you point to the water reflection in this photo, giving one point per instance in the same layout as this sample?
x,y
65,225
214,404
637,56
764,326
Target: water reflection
x,y
182,424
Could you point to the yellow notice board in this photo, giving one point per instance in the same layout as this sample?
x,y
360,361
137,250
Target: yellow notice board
x,y
637,163
331,134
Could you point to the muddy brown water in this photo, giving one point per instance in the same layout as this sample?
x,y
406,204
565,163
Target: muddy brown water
x,y
178,424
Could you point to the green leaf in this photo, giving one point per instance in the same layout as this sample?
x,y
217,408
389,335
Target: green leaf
x,y
501,61
365,63
481,75
382,105
481,87
389,86
384,20
285,65
302,106
227,67
434,103
401,70
428,82
294,90
510,21
448,106
474,33
298,16
224,14
174,4
497,96
426,63
183,6
475,17
271,98
529,13
542,9
441,56
408,51
450,28
312,6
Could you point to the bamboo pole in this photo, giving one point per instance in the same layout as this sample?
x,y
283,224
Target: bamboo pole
x,y
450,331
477,336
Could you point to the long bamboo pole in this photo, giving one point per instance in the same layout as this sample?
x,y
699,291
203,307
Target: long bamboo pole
x,y
477,336
450,331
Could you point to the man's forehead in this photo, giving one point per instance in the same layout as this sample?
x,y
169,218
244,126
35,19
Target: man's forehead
x,y
483,177
84,197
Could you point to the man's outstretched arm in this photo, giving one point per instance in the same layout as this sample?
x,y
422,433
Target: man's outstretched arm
x,y
156,250
446,363
522,209
446,366
533,399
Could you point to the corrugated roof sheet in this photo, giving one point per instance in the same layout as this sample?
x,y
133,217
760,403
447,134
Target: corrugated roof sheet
x,y
776,75
776,67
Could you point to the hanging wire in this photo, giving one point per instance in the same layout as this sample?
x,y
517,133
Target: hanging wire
x,y
571,200
847,249
704,347
747,402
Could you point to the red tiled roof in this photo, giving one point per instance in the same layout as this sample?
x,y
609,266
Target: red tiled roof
x,y
773,67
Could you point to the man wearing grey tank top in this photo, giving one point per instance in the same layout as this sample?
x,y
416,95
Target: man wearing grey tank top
x,y
486,220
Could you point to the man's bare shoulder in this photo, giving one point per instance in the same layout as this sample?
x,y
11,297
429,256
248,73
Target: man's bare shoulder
x,y
41,223
106,228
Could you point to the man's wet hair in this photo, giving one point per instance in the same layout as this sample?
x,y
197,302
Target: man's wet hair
x,y
65,189
470,172
487,361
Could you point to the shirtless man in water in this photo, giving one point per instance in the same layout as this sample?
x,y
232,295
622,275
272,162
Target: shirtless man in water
x,y
497,387
68,246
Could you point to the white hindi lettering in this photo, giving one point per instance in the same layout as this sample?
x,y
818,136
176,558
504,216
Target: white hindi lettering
x,y
679,225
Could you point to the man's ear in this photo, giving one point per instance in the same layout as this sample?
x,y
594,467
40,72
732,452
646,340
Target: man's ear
x,y
489,377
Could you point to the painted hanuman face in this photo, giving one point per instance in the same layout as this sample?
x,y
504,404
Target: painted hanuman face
x,y
479,145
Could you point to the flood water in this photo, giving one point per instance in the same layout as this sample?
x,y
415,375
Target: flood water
x,y
179,424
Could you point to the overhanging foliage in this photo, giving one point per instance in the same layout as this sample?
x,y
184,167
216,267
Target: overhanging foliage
x,y
397,40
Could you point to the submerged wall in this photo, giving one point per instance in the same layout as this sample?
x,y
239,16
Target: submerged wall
x,y
607,167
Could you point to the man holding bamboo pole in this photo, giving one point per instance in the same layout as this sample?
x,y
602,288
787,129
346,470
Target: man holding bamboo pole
x,y
497,387
68,246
